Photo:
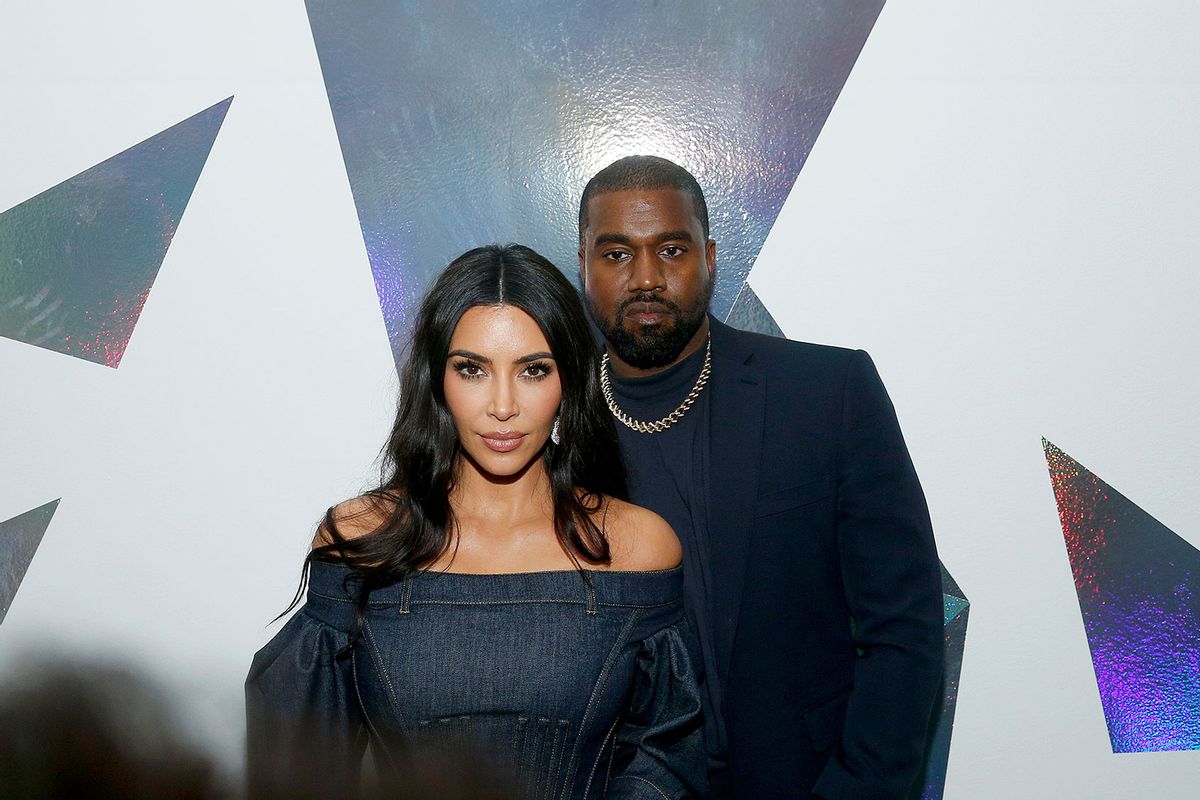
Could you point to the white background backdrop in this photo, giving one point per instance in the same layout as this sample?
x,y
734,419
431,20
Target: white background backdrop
x,y
1001,209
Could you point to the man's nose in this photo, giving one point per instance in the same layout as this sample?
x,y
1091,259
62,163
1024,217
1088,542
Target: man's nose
x,y
645,274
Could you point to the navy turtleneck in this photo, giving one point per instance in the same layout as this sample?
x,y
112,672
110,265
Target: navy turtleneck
x,y
668,473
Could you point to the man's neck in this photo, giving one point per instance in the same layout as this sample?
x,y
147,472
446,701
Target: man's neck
x,y
621,369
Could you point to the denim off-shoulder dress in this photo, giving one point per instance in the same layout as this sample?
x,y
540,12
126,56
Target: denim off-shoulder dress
x,y
566,688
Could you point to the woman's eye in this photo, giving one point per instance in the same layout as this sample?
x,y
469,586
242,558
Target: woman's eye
x,y
538,370
468,369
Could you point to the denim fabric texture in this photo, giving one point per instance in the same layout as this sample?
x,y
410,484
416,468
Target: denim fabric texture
x,y
564,690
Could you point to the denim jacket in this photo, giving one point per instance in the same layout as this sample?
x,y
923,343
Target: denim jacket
x,y
569,690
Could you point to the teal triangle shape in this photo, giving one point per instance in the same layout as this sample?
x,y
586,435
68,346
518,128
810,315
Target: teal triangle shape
x,y
78,260
951,606
956,610
19,540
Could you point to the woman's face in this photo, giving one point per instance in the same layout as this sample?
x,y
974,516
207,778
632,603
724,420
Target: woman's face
x,y
502,388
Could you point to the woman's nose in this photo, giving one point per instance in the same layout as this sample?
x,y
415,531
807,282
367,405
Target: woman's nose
x,y
504,401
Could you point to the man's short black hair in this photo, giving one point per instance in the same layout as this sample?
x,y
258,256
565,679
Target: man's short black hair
x,y
643,172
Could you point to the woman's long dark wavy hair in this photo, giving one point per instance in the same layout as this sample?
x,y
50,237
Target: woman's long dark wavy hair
x,y
422,453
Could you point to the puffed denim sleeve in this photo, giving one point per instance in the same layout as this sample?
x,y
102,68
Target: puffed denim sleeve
x,y
304,729
659,743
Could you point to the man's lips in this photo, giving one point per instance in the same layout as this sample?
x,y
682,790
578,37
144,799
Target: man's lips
x,y
646,313
502,441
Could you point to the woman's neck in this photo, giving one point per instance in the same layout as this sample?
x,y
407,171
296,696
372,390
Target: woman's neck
x,y
502,499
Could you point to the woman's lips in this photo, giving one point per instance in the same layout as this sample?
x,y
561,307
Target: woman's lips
x,y
501,441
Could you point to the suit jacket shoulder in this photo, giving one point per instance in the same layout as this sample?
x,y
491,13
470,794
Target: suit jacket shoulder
x,y
786,365
751,342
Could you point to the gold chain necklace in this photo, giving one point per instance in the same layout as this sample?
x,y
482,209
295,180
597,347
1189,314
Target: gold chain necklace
x,y
660,425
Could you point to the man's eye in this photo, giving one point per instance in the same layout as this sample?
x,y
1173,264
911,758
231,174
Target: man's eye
x,y
616,255
671,251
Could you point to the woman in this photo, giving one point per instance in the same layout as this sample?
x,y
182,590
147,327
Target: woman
x,y
494,595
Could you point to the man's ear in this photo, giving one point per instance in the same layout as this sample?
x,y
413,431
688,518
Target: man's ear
x,y
582,271
710,254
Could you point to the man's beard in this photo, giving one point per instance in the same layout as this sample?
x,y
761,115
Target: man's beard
x,y
652,346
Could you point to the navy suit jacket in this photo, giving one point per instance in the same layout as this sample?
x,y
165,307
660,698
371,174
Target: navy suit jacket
x,y
827,590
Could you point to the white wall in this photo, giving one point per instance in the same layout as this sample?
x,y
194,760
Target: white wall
x,y
1000,209
258,385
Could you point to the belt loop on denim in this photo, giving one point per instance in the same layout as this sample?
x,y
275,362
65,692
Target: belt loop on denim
x,y
405,594
590,587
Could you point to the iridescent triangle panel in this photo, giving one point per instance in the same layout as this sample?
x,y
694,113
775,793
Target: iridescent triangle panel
x,y
937,750
749,314
19,540
1138,585
475,122
78,260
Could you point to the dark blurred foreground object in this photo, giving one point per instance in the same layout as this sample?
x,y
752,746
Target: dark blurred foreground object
x,y
83,731
80,730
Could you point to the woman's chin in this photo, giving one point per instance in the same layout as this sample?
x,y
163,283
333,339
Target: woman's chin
x,y
502,466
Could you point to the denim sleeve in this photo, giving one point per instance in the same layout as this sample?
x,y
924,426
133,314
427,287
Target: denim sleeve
x,y
659,744
304,731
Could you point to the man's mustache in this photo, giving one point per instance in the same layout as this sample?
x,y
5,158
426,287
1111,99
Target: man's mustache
x,y
647,297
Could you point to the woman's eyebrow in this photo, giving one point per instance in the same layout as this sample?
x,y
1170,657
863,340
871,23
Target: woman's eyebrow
x,y
468,354
534,357
538,356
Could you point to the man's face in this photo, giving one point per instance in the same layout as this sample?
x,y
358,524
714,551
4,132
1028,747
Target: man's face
x,y
647,273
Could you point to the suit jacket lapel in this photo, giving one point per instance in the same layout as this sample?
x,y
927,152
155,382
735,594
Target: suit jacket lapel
x,y
735,437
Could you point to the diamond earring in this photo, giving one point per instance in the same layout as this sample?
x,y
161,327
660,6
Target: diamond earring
x,y
555,436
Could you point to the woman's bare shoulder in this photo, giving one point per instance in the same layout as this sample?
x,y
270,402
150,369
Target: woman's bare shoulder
x,y
355,517
639,539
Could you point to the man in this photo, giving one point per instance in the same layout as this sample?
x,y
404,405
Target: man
x,y
810,570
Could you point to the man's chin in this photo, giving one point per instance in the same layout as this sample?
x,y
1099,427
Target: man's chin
x,y
648,334
646,352
651,346
649,341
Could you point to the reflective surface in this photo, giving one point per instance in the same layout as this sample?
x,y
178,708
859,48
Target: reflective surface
x,y
749,314
937,754
77,261
1137,584
481,121
19,540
